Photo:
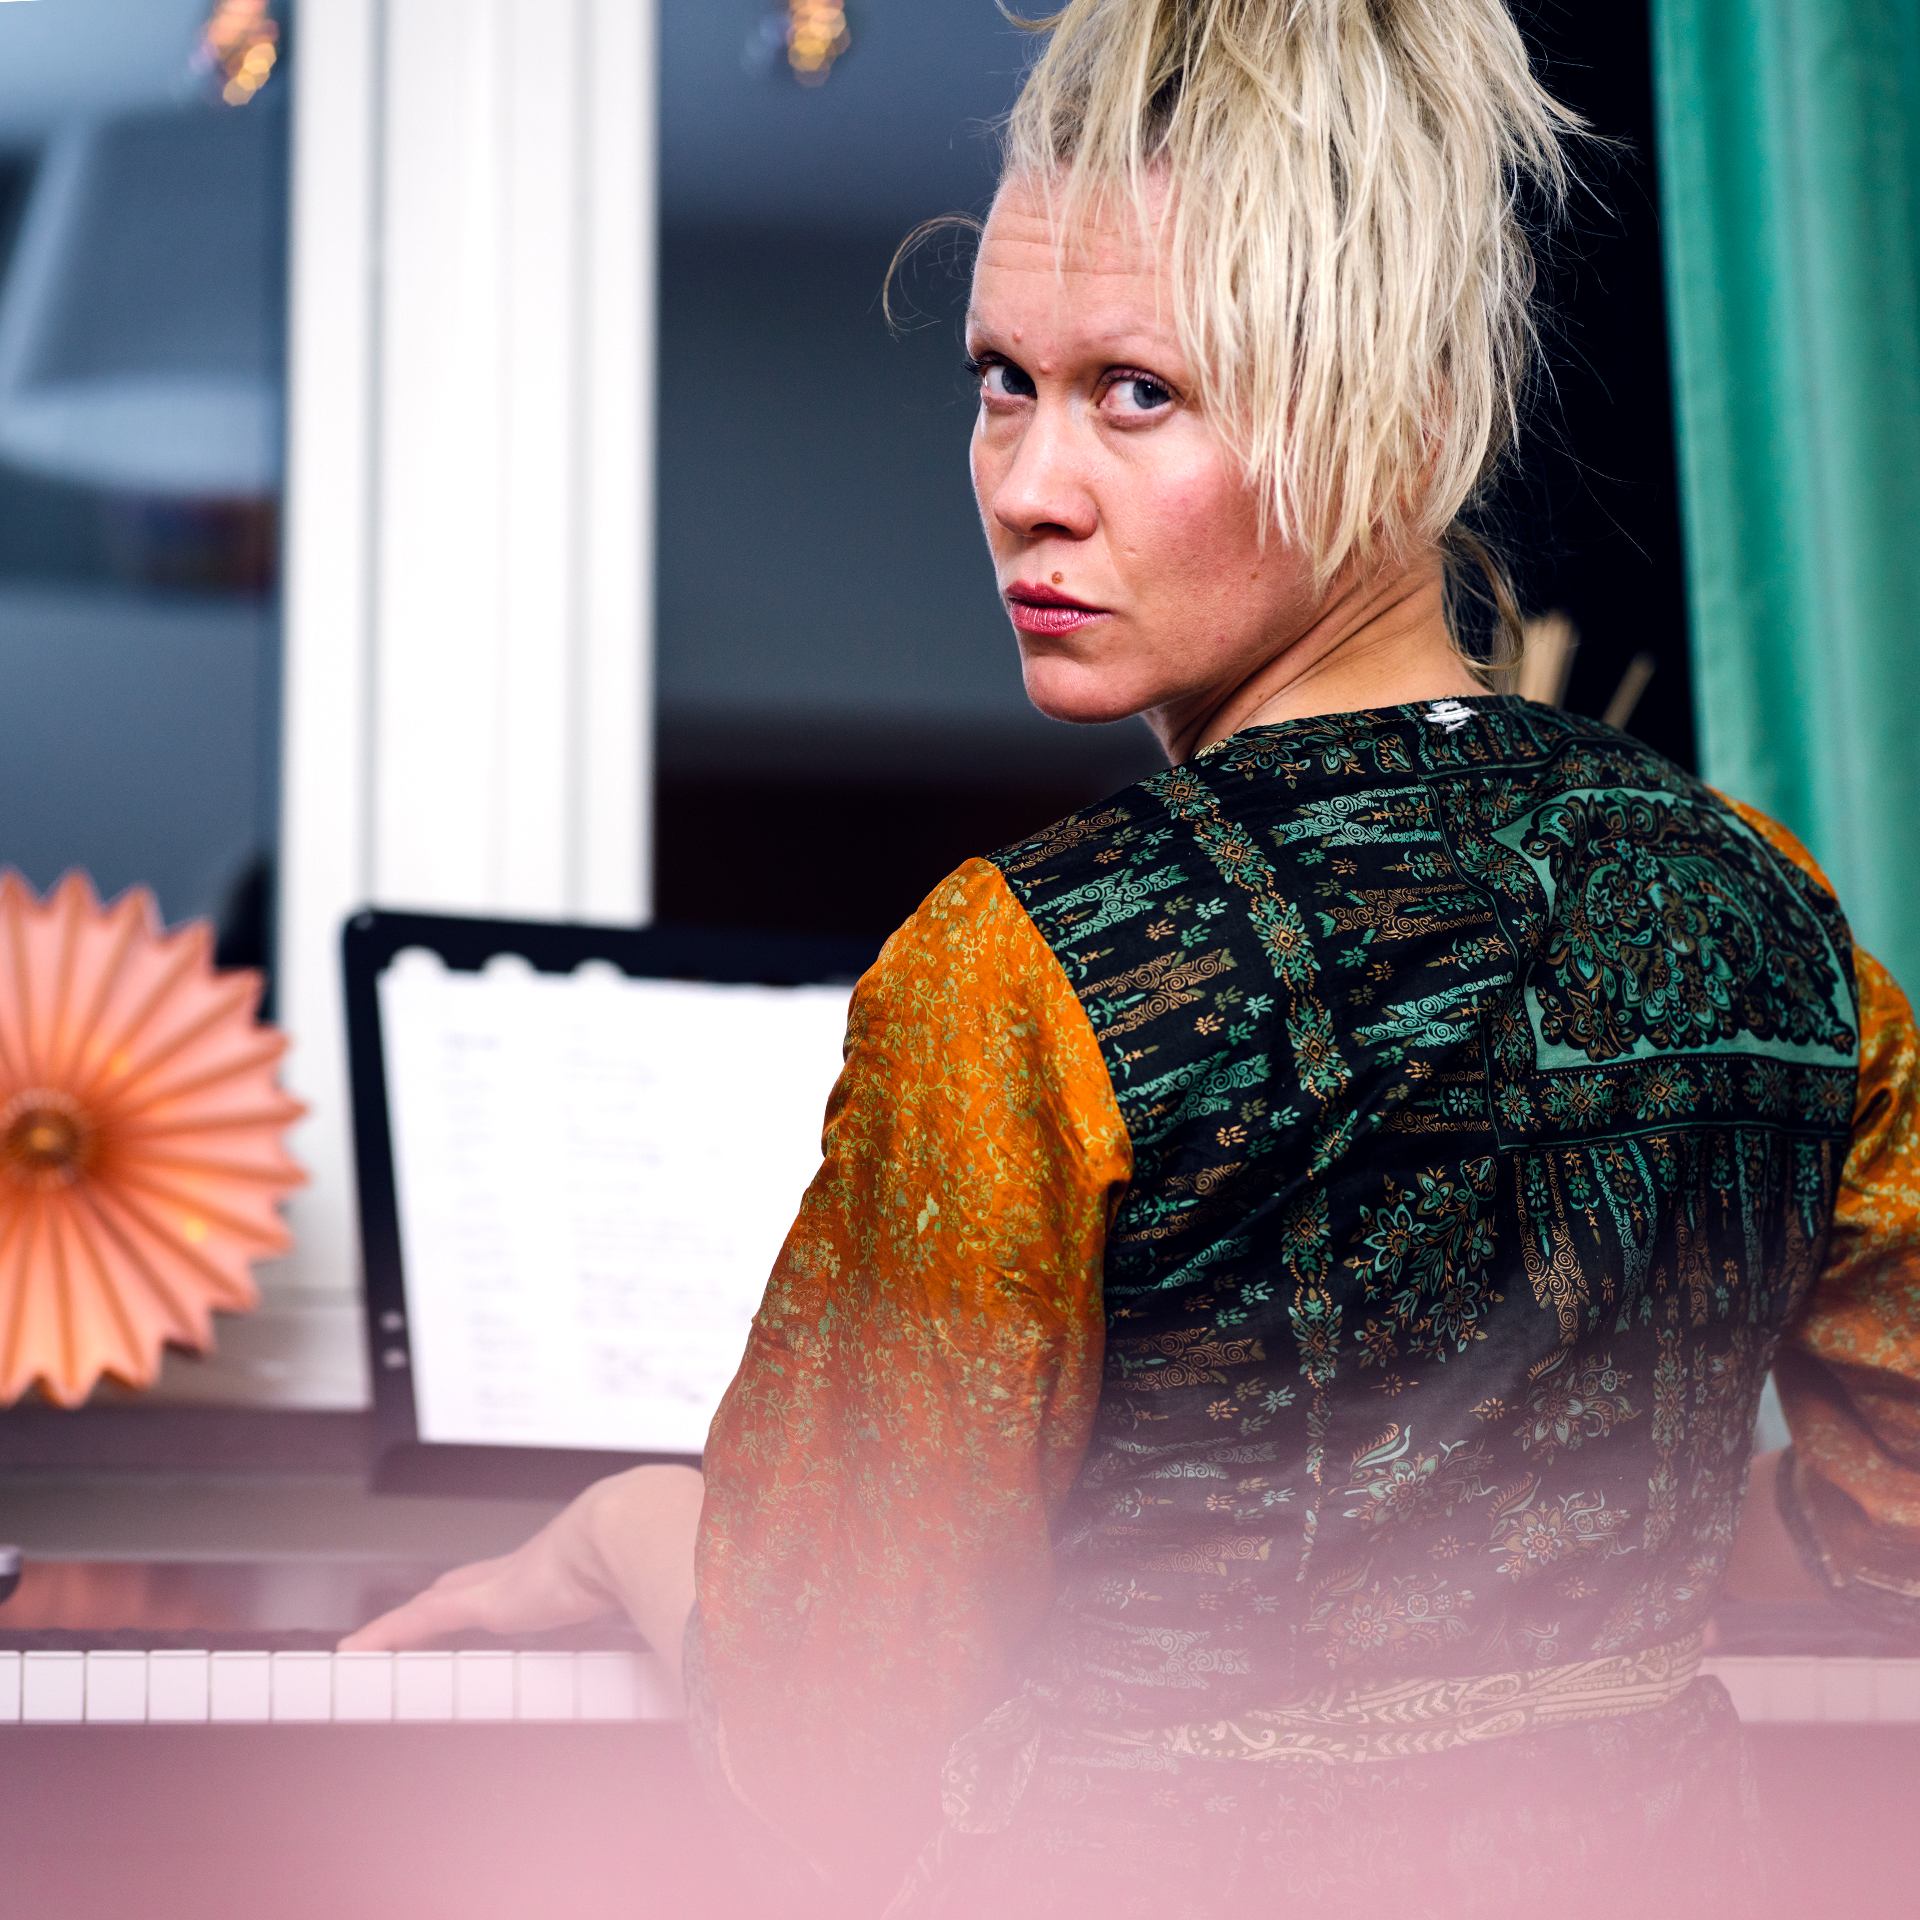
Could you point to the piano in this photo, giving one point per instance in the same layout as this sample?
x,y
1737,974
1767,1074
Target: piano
x,y
103,1643
65,1680
180,1738
188,1729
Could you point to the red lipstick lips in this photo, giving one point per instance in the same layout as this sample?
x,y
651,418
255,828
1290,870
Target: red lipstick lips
x,y
1037,609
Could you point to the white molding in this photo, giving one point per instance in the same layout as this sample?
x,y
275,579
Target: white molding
x,y
469,505
327,633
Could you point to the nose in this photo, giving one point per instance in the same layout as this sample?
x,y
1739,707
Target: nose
x,y
1045,489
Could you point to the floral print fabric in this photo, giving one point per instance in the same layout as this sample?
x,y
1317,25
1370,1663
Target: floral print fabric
x,y
885,1472
1322,1217
1489,1082
1850,1371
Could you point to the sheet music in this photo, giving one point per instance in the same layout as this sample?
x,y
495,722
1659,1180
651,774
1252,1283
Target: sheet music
x,y
594,1176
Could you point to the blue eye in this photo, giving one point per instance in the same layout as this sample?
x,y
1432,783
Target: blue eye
x,y
1141,393
1003,381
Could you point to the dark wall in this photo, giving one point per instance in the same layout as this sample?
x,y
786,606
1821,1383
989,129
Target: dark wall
x,y
1593,517
820,556
840,705
841,715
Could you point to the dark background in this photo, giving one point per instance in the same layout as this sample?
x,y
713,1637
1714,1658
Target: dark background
x,y
841,720
1591,519
840,717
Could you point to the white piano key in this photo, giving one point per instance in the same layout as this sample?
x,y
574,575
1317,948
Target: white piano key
x,y
1848,1691
177,1685
302,1686
116,1685
1796,1694
363,1686
1896,1690
543,1686
53,1687
607,1687
423,1686
657,1694
9,1687
239,1687
483,1685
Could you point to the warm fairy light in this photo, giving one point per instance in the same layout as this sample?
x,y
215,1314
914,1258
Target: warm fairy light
x,y
141,1163
816,37
238,46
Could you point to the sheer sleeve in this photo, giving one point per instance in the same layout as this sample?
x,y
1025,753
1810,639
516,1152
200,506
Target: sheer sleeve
x,y
1849,1374
917,1388
1849,1370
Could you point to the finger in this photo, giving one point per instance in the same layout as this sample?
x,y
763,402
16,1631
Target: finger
x,y
424,1618
474,1573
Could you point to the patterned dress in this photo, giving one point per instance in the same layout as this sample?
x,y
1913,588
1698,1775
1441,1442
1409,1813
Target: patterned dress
x,y
1254,1408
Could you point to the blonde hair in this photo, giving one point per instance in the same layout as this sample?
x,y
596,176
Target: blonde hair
x,y
1350,275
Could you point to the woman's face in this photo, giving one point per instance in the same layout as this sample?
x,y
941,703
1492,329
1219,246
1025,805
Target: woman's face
x,y
1124,535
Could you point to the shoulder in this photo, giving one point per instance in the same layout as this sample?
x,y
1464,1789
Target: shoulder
x,y
1779,838
967,974
968,936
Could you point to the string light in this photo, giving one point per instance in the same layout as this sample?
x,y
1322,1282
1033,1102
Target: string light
x,y
816,37
238,47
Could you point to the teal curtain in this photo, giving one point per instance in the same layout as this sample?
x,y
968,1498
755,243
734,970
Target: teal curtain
x,y
1790,189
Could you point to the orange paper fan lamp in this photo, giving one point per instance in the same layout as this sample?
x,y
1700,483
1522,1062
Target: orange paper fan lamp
x,y
140,1139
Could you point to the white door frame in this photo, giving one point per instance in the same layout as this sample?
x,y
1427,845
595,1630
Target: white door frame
x,y
468,601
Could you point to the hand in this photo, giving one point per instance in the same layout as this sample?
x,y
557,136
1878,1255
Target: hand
x,y
626,1543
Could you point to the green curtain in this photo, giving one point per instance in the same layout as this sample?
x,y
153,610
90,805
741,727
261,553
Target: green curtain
x,y
1790,189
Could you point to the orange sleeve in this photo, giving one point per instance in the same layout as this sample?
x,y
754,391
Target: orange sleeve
x,y
917,1389
1849,1374
1849,1370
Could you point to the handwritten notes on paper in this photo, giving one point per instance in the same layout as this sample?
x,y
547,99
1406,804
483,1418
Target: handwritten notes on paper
x,y
595,1175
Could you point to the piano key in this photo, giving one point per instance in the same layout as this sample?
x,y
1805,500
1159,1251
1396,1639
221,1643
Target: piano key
x,y
53,1687
1848,1690
656,1693
1897,1690
239,1687
116,1686
301,1686
606,1687
543,1686
363,1686
423,1686
9,1687
177,1686
483,1686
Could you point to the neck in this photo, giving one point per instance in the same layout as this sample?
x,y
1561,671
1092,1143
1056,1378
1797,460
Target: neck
x,y
1378,642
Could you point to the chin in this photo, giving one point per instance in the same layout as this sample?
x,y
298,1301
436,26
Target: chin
x,y
1082,695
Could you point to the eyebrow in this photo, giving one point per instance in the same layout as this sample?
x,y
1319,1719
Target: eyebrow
x,y
1117,347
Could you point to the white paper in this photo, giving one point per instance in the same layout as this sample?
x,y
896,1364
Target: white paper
x,y
594,1176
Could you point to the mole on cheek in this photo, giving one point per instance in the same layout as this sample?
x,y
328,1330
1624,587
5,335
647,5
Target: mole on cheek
x,y
1058,577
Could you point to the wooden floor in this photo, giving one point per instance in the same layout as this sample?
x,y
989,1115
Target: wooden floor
x,y
606,1823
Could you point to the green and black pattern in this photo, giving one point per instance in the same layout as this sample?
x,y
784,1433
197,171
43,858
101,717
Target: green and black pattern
x,y
1488,1082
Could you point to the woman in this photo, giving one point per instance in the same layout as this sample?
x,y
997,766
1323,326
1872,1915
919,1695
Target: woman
x,y
1255,1406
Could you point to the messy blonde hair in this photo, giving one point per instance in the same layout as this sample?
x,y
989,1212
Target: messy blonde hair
x,y
1350,276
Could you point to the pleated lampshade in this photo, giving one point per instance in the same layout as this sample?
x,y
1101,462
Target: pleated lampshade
x,y
141,1155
